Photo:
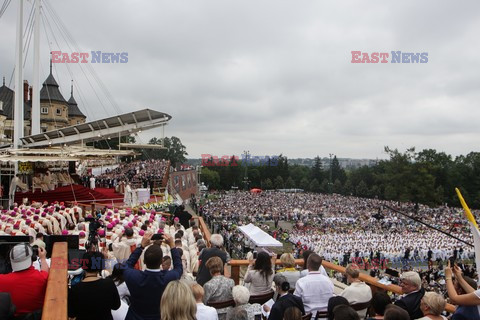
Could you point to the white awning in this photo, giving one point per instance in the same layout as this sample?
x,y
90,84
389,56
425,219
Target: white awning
x,y
259,237
60,154
113,127
141,146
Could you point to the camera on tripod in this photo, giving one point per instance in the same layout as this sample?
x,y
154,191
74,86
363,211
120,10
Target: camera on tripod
x,y
94,225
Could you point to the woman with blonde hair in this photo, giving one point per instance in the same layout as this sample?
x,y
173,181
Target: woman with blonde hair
x,y
177,302
288,270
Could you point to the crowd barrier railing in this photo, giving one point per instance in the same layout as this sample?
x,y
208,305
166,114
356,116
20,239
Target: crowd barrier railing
x,y
56,297
371,281
203,227
235,266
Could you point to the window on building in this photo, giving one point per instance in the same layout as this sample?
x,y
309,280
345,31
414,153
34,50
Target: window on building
x,y
59,112
44,110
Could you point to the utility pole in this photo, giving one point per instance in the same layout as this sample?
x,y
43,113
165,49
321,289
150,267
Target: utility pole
x,y
18,111
246,159
36,73
330,180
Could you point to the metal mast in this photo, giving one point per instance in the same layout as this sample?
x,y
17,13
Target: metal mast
x,y
36,72
18,114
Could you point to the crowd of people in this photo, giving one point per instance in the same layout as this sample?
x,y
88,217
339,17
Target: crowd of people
x,y
142,264
140,174
341,228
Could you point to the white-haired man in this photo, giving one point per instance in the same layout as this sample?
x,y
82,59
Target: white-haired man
x,y
215,250
411,285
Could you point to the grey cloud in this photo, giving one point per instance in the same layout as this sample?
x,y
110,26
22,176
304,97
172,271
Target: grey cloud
x,y
275,77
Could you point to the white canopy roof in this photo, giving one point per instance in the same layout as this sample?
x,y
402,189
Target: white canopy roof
x,y
259,237
113,127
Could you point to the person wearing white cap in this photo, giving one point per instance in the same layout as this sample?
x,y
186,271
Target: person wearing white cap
x,y
26,285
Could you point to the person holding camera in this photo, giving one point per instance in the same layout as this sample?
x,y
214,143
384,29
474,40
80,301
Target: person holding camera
x,y
26,285
146,287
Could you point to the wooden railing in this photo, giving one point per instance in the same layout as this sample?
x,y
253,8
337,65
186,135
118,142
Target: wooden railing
x,y
56,297
235,266
203,227
372,282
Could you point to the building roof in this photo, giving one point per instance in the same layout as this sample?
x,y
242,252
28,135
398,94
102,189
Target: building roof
x,y
120,125
7,96
73,109
50,91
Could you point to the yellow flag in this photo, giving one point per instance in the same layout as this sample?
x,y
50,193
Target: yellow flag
x,y
468,213
473,227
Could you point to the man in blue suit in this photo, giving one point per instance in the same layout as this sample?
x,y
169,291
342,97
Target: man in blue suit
x,y
146,287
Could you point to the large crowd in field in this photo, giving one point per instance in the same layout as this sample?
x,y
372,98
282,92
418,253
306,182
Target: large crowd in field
x,y
335,226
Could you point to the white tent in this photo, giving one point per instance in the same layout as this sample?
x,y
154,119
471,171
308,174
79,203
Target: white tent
x,y
259,237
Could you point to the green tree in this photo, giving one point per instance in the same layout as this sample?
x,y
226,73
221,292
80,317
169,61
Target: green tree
x,y
324,186
374,192
174,150
337,171
337,187
298,173
210,178
304,184
290,184
254,177
317,169
279,183
362,189
348,188
267,184
314,186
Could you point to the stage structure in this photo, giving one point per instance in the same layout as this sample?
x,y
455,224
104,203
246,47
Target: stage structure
x,y
68,144
113,127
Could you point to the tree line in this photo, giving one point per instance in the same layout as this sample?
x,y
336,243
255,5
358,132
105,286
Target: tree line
x,y
427,177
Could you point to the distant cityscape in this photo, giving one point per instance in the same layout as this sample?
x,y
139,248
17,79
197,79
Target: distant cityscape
x,y
345,163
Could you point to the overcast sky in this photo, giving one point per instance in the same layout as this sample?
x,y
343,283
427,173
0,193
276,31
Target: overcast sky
x,y
275,77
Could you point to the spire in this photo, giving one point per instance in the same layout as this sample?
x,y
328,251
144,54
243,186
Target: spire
x,y
50,63
71,91
3,80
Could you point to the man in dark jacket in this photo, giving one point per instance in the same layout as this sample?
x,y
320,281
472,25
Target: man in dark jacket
x,y
411,285
284,301
146,287
215,250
